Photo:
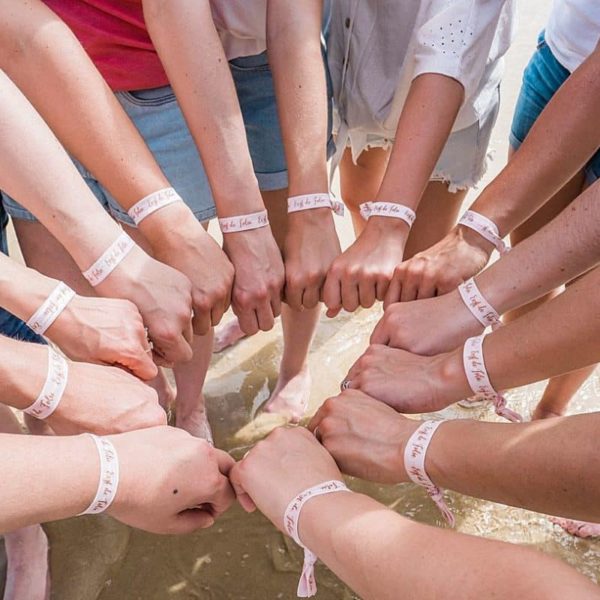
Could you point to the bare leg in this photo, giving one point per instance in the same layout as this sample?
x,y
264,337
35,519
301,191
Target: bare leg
x,y
227,334
436,216
360,182
189,404
27,576
292,391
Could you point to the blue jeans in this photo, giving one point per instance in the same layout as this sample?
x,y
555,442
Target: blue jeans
x,y
11,326
158,118
541,79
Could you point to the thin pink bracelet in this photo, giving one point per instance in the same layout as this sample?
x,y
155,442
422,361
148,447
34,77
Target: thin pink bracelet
x,y
310,201
388,209
486,228
110,260
244,222
51,308
307,586
479,307
153,202
414,464
54,387
479,380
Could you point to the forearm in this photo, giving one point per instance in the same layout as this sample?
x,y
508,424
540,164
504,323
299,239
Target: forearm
x,y
379,554
562,140
294,48
65,472
41,176
423,129
561,251
199,72
518,464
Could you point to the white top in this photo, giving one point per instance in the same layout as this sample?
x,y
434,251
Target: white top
x,y
242,26
377,47
573,30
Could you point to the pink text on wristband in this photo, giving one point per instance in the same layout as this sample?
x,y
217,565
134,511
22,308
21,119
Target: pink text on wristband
x,y
51,308
479,380
110,260
414,464
310,201
479,307
54,387
153,202
388,209
244,222
485,228
108,482
307,587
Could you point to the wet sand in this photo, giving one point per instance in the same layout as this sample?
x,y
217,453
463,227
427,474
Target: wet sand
x,y
243,557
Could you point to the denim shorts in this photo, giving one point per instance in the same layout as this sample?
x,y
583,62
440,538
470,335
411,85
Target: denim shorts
x,y
158,118
541,79
11,326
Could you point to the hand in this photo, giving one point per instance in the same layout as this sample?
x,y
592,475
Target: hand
x,y
105,400
182,243
428,327
365,437
311,245
164,298
106,331
363,272
170,482
407,382
278,468
259,278
441,268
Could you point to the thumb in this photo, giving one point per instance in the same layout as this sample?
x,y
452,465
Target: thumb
x,y
242,496
191,520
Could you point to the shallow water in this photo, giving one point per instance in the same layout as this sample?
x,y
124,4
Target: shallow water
x,y
243,557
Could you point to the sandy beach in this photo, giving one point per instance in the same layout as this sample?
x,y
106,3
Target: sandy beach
x,y
243,557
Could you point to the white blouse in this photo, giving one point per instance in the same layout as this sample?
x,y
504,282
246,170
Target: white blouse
x,y
573,30
377,47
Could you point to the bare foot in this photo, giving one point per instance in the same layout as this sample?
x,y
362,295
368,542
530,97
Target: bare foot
x,y
541,412
290,396
580,529
227,335
166,392
194,421
36,426
27,574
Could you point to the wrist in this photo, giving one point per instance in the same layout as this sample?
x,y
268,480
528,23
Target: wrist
x,y
388,226
315,217
238,245
474,239
448,377
167,225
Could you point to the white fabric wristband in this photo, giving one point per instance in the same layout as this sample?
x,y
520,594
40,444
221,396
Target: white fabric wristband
x,y
479,307
388,209
54,387
153,202
310,201
51,308
414,464
485,228
479,380
307,586
110,260
108,482
244,222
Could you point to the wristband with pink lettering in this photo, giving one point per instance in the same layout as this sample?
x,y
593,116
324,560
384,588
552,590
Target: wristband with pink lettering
x,y
414,464
110,260
479,307
307,587
108,482
51,308
388,209
244,222
485,228
479,380
153,202
54,387
310,201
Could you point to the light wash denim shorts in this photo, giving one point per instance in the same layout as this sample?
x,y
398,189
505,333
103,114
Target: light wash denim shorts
x,y
541,79
158,118
12,326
